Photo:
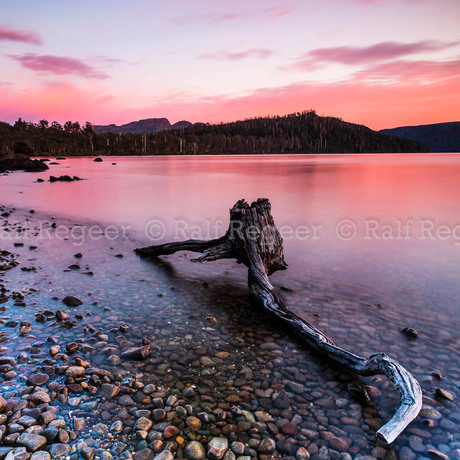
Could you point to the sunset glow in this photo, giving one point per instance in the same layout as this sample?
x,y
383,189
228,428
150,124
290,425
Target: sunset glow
x,y
374,62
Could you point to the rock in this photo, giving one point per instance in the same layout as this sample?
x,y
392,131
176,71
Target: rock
x,y
193,424
98,160
302,454
27,421
443,394
31,442
338,444
101,429
165,455
18,454
287,447
432,452
38,379
3,404
237,447
267,447
406,454
282,400
289,428
409,332
109,391
72,301
206,361
358,392
79,423
158,415
41,455
59,450
87,453
137,353
61,315
40,397
194,450
46,417
217,448
143,424
170,431
430,412
75,372
188,392
116,427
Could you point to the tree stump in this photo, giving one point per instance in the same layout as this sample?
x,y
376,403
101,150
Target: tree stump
x,y
253,240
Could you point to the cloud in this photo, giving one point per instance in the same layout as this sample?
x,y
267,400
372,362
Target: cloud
x,y
403,71
222,17
384,51
15,35
58,65
260,53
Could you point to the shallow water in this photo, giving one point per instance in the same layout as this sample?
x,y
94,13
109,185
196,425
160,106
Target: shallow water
x,y
359,290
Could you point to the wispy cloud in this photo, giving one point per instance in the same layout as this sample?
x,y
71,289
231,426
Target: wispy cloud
x,y
260,53
379,52
403,71
16,35
222,17
58,65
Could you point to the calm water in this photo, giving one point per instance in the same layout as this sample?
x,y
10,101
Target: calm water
x,y
404,209
372,243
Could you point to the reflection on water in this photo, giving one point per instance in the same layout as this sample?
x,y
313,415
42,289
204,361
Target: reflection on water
x,y
396,204
360,288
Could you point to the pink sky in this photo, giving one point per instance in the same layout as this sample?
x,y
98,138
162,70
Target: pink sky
x,y
381,63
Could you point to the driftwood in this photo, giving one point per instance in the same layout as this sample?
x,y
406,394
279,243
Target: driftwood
x,y
253,239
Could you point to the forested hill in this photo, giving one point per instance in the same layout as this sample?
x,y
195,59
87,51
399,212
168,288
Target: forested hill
x,y
441,137
303,132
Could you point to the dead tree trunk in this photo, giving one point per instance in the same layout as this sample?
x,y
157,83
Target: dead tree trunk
x,y
253,239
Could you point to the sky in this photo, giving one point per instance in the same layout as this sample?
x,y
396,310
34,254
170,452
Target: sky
x,y
381,63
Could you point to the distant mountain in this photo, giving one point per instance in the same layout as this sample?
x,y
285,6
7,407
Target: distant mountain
x,y
149,125
181,124
441,137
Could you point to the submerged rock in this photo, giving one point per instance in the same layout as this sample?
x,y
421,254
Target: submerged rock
x,y
137,353
71,301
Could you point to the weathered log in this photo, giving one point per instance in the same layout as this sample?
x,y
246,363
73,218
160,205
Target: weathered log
x,y
253,239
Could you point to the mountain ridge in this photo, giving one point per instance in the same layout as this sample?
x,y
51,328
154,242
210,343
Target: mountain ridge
x,y
146,125
441,137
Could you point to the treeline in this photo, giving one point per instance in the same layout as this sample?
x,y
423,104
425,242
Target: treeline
x,y
304,132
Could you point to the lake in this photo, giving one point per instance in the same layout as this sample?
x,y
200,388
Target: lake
x,y
372,243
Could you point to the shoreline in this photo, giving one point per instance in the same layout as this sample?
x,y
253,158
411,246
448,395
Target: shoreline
x,y
196,369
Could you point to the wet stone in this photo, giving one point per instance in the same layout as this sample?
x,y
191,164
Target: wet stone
x,y
72,301
193,424
287,447
31,442
237,447
109,391
170,431
143,424
442,394
88,453
40,455
217,448
38,379
116,427
267,447
137,353
194,450
165,455
302,454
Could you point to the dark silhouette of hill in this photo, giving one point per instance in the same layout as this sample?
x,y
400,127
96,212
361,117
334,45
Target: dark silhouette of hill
x,y
304,132
441,137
